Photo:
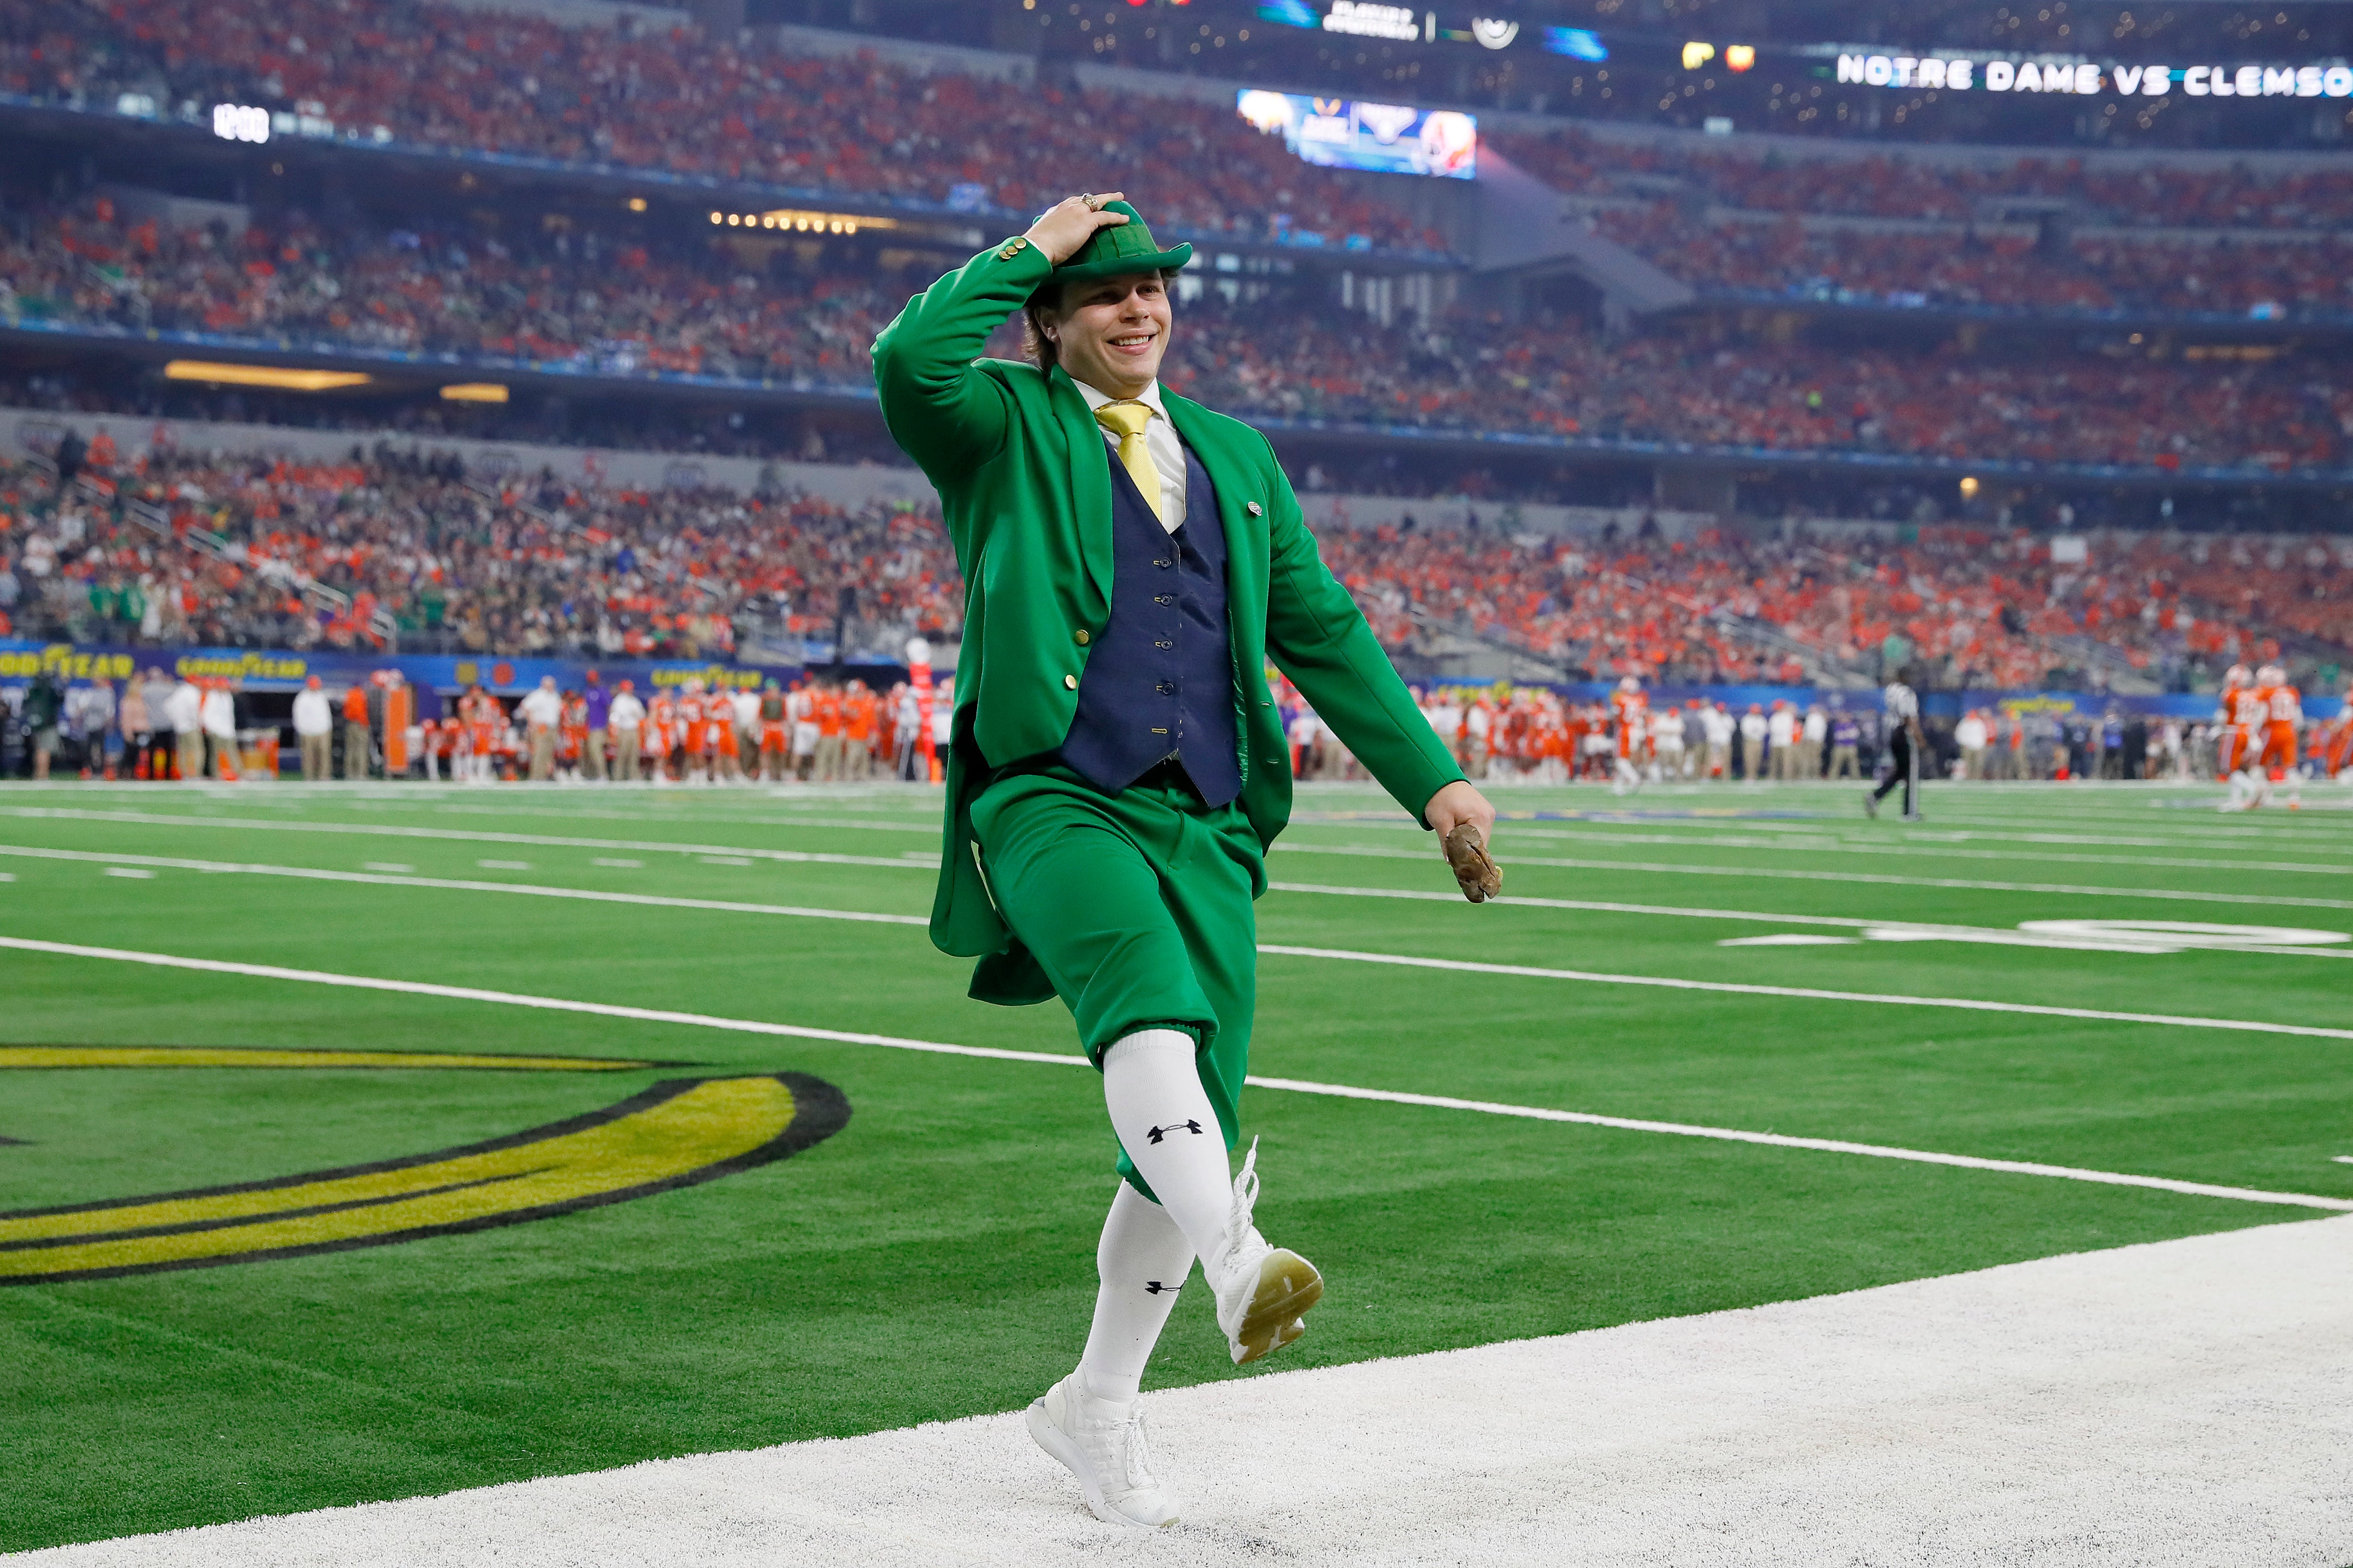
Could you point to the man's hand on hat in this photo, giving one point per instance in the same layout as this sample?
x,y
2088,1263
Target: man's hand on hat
x,y
1065,228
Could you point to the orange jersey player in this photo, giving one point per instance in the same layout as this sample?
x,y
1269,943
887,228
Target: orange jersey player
x,y
1632,710
574,729
1633,729
487,719
2243,712
661,732
2340,742
2282,717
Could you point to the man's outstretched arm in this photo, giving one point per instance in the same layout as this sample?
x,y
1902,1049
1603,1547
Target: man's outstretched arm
x,y
1318,638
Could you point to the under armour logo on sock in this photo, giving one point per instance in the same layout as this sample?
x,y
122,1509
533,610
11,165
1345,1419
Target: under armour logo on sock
x,y
1155,1288
1156,1133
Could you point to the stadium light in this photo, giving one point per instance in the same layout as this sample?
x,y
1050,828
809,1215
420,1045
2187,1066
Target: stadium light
x,y
1969,487
474,392
637,203
1696,54
281,377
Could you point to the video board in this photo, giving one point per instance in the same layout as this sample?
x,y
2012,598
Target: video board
x,y
1387,137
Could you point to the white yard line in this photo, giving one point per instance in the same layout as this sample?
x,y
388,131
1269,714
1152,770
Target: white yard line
x,y
916,859
2178,1404
449,884
452,835
1806,993
1779,873
153,862
1826,843
1295,1086
1894,929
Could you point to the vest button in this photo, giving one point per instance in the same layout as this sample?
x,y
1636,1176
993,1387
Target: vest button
x,y
1163,564
1069,683
1166,688
1081,636
1164,599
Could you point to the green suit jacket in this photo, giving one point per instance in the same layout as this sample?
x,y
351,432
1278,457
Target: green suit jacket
x,y
1024,477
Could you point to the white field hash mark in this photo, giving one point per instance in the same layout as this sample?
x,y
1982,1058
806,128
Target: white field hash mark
x,y
1409,961
1294,1086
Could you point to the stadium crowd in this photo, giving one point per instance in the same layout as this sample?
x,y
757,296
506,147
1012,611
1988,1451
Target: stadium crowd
x,y
1558,378
671,100
602,305
2152,193
386,548
2004,268
177,549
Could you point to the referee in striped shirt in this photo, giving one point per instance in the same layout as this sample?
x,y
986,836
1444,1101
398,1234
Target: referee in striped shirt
x,y
1905,745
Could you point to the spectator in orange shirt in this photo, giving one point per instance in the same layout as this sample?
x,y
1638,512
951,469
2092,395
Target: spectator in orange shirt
x,y
827,707
858,732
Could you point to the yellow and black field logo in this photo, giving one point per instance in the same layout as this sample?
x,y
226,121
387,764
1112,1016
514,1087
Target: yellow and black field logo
x,y
675,1133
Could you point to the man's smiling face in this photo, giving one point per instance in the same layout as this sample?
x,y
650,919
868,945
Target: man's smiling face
x,y
1111,333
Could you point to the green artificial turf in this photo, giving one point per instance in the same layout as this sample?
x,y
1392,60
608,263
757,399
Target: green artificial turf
x,y
933,1259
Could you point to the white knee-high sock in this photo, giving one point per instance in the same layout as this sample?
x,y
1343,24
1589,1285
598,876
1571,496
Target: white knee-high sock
x,y
1141,1262
1163,1118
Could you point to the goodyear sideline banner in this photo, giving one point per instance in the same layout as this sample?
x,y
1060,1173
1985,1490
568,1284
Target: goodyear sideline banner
x,y
269,670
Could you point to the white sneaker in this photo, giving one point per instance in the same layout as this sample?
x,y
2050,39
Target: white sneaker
x,y
1260,1289
1104,1444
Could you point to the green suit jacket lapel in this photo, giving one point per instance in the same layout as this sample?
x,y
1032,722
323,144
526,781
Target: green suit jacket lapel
x,y
1090,484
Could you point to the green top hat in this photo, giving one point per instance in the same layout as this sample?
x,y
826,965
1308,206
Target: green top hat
x,y
1120,248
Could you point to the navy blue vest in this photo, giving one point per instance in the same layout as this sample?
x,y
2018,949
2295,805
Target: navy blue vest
x,y
1160,680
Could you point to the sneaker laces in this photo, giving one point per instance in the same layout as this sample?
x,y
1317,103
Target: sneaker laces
x,y
1238,1222
1139,1454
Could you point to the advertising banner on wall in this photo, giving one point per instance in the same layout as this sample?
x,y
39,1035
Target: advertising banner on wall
x,y
260,669
269,670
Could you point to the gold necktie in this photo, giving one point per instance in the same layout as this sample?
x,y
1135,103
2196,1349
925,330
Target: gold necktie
x,y
1126,421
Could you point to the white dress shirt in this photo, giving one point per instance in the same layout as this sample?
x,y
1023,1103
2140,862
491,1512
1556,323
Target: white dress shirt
x,y
1159,439
312,713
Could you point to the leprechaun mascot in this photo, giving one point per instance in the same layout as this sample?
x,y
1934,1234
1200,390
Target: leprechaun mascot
x,y
1118,767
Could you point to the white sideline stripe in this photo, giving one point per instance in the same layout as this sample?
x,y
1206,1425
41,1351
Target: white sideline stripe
x,y
1810,993
2164,1405
450,884
1294,1086
1466,965
459,835
1376,852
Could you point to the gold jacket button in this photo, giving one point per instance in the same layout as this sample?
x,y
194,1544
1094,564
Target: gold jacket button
x,y
1081,636
1071,682
1254,509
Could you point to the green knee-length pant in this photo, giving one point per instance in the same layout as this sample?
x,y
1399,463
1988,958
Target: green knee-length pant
x,y
1138,908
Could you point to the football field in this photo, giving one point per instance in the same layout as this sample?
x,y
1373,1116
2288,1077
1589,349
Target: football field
x,y
371,1143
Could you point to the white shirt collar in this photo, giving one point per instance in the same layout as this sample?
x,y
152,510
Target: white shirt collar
x,y
1149,398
